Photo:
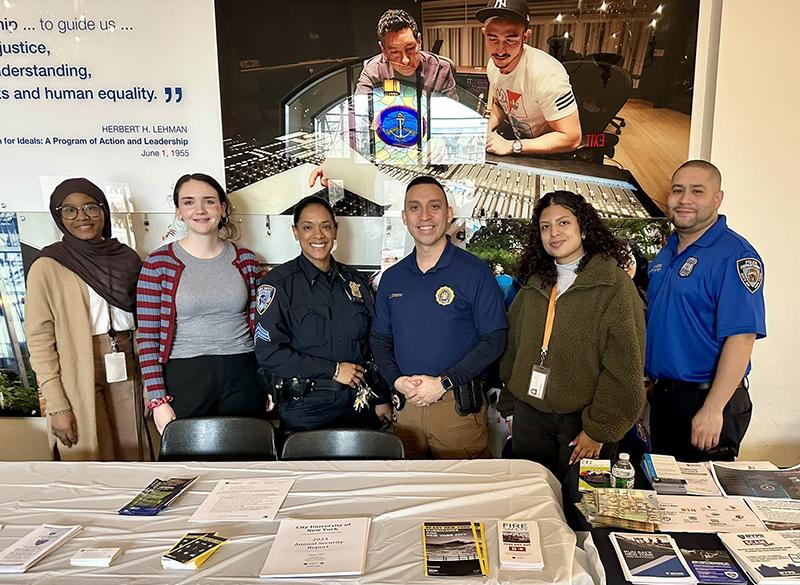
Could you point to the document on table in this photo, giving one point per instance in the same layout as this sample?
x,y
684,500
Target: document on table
x,y
699,481
237,500
706,514
18,557
776,514
779,483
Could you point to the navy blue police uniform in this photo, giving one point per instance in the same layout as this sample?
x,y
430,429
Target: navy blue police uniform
x,y
449,321
306,322
696,299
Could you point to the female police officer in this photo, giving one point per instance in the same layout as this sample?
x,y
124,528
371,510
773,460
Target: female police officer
x,y
312,332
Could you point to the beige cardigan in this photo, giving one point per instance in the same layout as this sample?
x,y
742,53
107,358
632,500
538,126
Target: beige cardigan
x,y
59,333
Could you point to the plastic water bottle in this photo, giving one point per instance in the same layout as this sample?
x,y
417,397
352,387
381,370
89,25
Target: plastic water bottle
x,y
622,473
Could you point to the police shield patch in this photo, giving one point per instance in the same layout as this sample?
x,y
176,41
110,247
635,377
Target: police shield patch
x,y
687,267
264,296
750,272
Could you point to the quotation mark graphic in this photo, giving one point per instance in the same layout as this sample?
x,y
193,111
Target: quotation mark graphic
x,y
178,93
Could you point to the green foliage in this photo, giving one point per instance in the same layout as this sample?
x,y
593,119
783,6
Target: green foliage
x,y
500,241
18,398
502,234
649,234
492,256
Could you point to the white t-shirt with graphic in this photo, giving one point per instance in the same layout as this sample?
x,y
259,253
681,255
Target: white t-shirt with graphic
x,y
535,92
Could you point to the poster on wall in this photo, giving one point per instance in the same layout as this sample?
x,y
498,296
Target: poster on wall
x,y
119,92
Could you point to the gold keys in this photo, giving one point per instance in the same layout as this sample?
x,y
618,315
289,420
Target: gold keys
x,y
363,395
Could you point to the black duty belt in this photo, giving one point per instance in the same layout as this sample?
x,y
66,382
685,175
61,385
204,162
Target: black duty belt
x,y
681,386
283,389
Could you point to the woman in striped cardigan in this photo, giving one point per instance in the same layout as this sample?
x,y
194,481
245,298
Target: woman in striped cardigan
x,y
195,306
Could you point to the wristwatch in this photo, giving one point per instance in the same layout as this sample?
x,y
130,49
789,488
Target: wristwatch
x,y
447,383
516,146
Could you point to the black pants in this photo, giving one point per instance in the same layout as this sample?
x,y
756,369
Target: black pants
x,y
326,409
215,385
671,414
544,437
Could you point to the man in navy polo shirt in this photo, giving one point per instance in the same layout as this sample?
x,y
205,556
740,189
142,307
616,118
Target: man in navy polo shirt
x,y
705,310
439,322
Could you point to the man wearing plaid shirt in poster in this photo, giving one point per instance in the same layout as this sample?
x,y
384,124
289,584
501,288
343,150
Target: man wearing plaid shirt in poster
x,y
401,58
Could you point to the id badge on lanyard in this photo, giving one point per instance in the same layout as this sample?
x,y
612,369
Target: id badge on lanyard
x,y
116,368
539,373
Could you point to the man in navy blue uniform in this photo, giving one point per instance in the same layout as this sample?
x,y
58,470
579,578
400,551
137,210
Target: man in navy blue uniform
x,y
705,311
439,322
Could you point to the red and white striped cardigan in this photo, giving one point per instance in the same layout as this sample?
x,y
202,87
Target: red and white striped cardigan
x,y
155,309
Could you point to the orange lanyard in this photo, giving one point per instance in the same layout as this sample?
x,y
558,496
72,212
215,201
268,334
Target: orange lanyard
x,y
548,325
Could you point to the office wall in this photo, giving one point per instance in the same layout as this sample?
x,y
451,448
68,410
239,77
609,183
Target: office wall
x,y
755,125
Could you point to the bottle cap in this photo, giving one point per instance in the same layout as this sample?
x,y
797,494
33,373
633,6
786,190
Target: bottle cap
x,y
624,456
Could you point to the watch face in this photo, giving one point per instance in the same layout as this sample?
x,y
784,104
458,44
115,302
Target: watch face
x,y
447,383
516,146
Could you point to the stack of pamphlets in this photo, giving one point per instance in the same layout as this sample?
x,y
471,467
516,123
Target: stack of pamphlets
x,y
776,514
519,545
766,557
454,549
156,496
94,557
19,557
758,483
620,508
321,548
664,475
192,550
651,558
713,567
593,474
699,481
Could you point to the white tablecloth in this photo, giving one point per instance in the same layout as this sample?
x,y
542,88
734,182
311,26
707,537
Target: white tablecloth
x,y
398,495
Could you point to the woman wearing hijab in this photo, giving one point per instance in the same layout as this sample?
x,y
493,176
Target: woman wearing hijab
x,y
79,324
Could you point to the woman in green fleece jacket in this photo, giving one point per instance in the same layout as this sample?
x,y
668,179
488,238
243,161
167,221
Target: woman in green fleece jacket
x,y
594,360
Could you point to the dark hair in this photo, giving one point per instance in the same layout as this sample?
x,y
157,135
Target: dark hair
x,y
394,20
426,180
311,200
599,239
713,171
225,225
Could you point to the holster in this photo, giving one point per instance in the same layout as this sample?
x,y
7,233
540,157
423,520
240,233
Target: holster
x,y
284,389
468,397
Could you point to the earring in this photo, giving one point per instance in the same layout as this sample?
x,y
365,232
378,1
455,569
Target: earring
x,y
179,222
583,236
224,220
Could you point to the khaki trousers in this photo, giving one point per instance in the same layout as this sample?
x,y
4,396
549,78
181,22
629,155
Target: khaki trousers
x,y
438,431
119,406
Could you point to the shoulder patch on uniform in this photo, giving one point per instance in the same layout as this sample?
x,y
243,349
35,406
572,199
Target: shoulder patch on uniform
x,y
751,273
264,296
688,267
262,334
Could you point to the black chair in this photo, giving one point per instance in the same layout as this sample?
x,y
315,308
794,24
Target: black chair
x,y
601,89
328,444
218,438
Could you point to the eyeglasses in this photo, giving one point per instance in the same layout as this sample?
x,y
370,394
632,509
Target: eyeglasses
x,y
71,212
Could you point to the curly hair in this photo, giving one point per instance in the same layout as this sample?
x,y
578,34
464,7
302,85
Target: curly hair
x,y
598,239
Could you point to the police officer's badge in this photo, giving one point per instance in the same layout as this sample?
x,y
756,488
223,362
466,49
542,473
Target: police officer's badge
x,y
445,295
687,267
751,273
355,290
264,296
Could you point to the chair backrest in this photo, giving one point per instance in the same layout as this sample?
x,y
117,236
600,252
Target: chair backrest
x,y
601,89
330,444
222,438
